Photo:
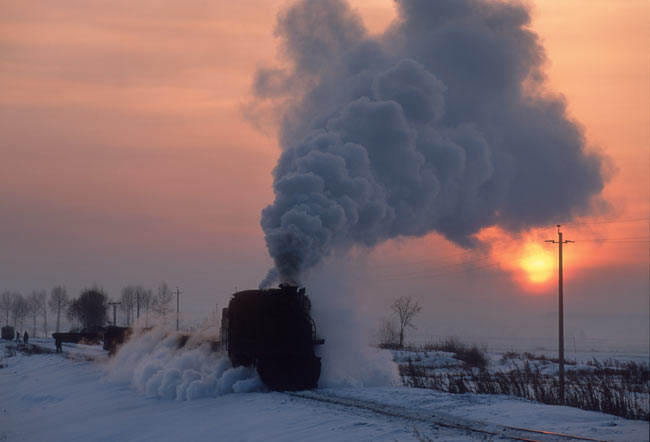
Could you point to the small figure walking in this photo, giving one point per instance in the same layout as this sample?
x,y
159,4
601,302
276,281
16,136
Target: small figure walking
x,y
17,336
59,347
25,337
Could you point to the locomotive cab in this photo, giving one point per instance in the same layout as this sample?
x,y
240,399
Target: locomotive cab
x,y
273,330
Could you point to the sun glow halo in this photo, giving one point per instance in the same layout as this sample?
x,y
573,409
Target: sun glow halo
x,y
537,263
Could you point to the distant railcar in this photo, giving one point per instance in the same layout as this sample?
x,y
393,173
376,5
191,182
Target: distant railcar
x,y
8,332
89,335
115,336
273,330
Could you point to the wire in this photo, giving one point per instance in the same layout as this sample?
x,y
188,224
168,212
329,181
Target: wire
x,y
627,242
461,267
439,274
614,239
430,269
428,260
611,221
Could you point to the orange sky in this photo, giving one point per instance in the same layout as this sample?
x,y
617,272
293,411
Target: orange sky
x,y
124,138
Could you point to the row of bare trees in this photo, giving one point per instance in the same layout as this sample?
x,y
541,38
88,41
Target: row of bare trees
x,y
20,309
136,300
90,308
16,309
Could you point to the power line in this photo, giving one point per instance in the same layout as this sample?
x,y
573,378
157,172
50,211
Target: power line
x,y
610,221
425,273
615,239
428,260
626,242
440,274
475,264
430,269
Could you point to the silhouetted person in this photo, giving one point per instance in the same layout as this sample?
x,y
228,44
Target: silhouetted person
x,y
17,336
25,337
59,347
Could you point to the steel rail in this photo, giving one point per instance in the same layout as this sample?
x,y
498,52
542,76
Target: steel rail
x,y
502,431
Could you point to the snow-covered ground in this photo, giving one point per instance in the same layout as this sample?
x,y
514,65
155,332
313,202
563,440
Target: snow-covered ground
x,y
499,362
81,395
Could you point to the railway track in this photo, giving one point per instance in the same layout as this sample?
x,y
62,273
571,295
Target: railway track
x,y
479,429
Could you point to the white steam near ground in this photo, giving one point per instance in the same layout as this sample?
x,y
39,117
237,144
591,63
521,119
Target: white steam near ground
x,y
155,365
347,359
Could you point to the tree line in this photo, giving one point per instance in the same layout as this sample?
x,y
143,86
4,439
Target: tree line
x,y
90,308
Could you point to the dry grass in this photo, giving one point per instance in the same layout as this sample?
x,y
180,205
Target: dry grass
x,y
621,389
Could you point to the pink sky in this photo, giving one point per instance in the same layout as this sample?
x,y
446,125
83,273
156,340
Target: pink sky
x,y
127,157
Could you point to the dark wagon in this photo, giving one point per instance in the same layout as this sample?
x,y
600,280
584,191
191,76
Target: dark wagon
x,y
115,336
88,335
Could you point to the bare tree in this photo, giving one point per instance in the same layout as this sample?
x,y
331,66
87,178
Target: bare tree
x,y
35,304
128,302
5,305
44,304
405,308
90,309
19,309
140,294
146,302
58,301
162,302
42,308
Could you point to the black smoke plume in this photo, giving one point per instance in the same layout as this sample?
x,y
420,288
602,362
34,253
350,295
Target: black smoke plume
x,y
442,123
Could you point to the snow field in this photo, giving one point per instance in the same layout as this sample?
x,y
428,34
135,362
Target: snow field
x,y
155,391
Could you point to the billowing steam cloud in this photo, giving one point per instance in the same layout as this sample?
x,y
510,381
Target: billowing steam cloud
x,y
440,124
159,366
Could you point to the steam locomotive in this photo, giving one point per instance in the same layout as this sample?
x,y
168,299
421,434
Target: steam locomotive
x,y
272,329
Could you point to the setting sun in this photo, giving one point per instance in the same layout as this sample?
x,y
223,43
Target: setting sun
x,y
527,259
537,263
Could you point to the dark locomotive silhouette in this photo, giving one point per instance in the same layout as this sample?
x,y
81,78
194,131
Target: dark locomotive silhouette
x,y
272,329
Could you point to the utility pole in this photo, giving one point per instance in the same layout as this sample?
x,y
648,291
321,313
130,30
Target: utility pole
x,y
114,304
178,292
559,242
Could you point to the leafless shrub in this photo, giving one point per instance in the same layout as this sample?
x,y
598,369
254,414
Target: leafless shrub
x,y
622,391
388,335
471,355
542,358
